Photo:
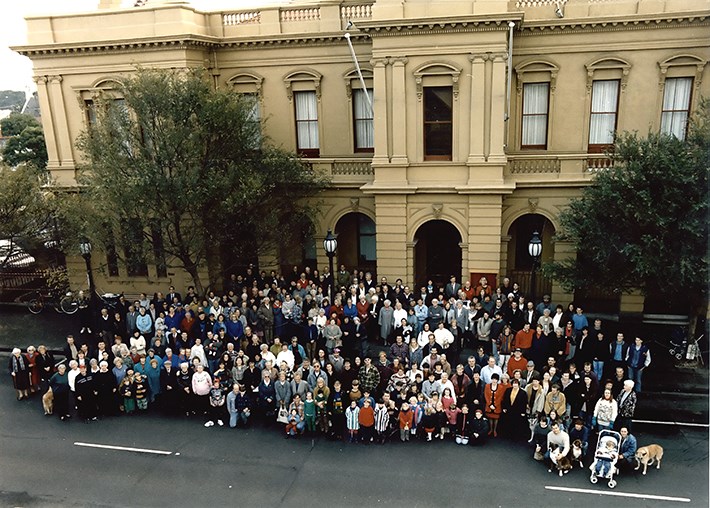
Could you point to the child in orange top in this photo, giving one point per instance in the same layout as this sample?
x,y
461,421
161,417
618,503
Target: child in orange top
x,y
406,418
367,422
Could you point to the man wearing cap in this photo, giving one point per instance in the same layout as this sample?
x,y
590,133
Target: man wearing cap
x,y
517,362
530,372
544,304
336,360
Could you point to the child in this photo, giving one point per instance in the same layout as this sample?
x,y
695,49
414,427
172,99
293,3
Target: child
x,y
217,399
366,417
140,388
352,421
309,412
604,458
479,428
382,420
294,419
406,419
462,426
127,394
452,414
429,422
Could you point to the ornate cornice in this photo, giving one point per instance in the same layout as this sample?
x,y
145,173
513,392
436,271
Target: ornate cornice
x,y
615,24
423,26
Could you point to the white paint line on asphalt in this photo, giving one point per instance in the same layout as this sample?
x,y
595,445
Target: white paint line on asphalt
x,y
620,494
679,424
123,448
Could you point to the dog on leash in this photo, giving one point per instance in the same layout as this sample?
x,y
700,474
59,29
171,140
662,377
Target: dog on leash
x,y
48,402
576,452
647,455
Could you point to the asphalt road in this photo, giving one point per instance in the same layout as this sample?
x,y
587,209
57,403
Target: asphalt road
x,y
41,466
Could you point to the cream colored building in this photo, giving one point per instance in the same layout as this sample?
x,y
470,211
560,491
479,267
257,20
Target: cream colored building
x,y
459,161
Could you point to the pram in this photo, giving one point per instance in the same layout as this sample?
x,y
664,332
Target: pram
x,y
603,448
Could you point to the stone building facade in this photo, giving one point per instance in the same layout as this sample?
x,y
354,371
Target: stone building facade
x,y
464,152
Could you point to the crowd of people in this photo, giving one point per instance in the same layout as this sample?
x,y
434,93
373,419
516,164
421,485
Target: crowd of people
x,y
378,363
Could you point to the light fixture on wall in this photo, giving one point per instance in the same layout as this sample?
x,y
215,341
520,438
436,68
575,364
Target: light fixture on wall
x,y
559,12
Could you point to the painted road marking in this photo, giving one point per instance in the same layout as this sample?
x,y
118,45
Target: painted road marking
x,y
680,424
620,494
123,448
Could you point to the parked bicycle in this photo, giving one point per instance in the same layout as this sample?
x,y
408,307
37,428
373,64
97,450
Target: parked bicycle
x,y
61,302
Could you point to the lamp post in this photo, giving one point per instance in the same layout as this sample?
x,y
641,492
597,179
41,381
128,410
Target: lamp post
x,y
535,251
85,249
330,244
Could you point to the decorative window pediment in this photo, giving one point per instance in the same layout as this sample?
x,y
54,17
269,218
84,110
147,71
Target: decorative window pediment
x,y
303,80
536,71
437,74
608,68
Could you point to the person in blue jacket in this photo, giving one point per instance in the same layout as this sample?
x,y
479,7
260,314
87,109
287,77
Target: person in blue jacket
x,y
627,451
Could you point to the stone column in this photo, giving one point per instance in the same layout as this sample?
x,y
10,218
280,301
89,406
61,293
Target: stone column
x,y
497,125
60,119
484,238
391,236
47,123
399,111
379,72
478,103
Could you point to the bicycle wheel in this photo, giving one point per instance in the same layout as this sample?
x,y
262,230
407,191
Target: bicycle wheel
x,y
69,305
35,306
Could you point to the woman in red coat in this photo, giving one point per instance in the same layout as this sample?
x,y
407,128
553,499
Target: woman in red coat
x,y
31,357
493,393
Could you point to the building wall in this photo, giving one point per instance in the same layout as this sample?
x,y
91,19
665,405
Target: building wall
x,y
402,47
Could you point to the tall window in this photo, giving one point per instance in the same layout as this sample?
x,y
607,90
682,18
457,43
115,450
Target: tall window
x,y
367,245
535,107
676,106
307,123
602,120
363,118
438,122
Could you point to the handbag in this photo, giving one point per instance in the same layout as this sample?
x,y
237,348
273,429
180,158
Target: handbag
x,y
282,415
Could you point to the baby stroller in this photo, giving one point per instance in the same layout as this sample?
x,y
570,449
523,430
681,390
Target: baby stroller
x,y
606,454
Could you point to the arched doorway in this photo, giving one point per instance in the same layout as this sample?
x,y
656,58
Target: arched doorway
x,y
520,263
357,247
437,253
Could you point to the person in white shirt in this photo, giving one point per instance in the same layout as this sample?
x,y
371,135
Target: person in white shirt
x,y
443,337
490,369
285,356
443,383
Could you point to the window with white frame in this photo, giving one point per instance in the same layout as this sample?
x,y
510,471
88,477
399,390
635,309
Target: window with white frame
x,y
534,115
306,104
603,116
676,106
363,127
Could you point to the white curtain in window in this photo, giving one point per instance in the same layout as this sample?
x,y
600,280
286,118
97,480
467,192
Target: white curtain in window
x,y
307,119
364,129
676,106
605,96
535,97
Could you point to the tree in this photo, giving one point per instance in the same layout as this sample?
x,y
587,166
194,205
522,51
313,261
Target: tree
x,y
643,224
15,123
179,172
26,210
27,147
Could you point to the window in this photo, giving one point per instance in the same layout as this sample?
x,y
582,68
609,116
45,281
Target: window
x,y
438,123
676,106
363,121
307,123
367,245
90,111
254,116
535,109
602,120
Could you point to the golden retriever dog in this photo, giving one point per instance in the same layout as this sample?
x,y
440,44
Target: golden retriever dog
x,y
576,452
646,455
48,402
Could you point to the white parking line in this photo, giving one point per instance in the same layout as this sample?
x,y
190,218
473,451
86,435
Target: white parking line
x,y
620,494
680,424
123,448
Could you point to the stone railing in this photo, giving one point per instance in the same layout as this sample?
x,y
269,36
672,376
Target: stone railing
x,y
295,15
525,165
241,18
356,11
346,168
598,163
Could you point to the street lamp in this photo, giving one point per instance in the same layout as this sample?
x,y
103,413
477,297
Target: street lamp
x,y
535,251
85,249
330,244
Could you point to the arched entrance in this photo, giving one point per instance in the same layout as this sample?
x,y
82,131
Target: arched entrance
x,y
437,253
520,263
357,247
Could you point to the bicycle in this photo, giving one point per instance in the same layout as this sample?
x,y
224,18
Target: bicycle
x,y
65,304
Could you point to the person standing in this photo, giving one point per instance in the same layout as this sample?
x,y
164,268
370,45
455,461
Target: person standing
x,y
59,383
20,372
626,401
84,387
638,357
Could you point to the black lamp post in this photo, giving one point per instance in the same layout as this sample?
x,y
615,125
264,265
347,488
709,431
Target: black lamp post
x,y
85,249
535,251
330,244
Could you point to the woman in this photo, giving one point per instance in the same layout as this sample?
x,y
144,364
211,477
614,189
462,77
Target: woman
x,y
514,419
416,354
152,372
31,357
106,388
423,337
493,394
586,399
59,383
45,366
535,398
238,369
605,412
20,372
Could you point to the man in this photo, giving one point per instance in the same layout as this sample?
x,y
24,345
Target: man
x,y
558,439
85,390
71,352
627,450
238,406
524,339
618,351
544,304
490,369
638,357
626,402
369,376
517,362
173,296
336,360
436,314
579,431
452,288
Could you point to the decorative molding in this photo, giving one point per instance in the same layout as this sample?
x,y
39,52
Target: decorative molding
x,y
55,79
532,203
437,209
436,69
536,65
608,63
685,60
354,204
303,75
614,24
486,23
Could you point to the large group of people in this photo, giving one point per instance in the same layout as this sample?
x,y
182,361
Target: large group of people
x,y
373,363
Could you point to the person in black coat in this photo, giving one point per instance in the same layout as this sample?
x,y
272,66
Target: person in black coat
x,y
169,389
106,391
475,393
85,392
479,428
514,422
45,366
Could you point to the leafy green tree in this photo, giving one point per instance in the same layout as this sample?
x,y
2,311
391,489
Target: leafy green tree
x,y
26,210
15,123
643,224
27,147
180,172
